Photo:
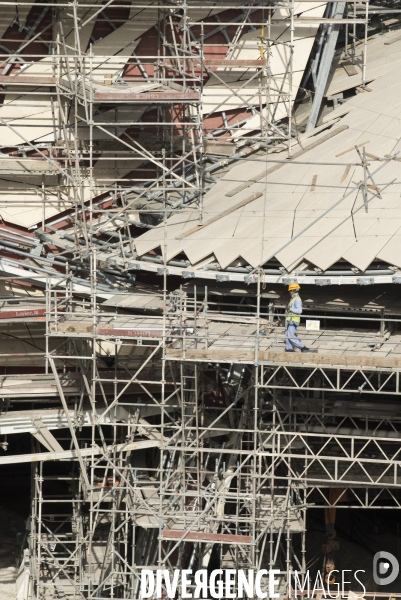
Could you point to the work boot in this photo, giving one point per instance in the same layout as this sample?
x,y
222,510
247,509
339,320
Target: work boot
x,y
305,349
290,350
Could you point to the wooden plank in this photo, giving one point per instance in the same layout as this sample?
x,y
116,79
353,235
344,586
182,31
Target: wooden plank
x,y
27,166
353,148
280,357
390,155
370,186
231,62
41,391
219,62
349,69
135,333
147,96
73,327
203,320
27,80
348,360
345,174
219,148
337,112
199,536
346,84
247,184
211,354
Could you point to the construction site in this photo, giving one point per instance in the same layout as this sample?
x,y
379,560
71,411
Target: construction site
x,y
168,169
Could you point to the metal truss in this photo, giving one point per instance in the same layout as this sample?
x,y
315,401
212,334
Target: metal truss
x,y
332,378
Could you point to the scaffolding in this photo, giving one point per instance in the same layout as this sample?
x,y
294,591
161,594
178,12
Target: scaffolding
x,y
189,497
188,438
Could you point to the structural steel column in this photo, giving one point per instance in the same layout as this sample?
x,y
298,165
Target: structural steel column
x,y
327,59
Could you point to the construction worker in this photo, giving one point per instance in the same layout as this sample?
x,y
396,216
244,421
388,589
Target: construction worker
x,y
293,318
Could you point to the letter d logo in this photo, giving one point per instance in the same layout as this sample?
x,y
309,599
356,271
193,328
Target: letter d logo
x,y
385,563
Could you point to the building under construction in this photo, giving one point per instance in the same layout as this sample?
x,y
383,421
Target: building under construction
x,y
167,169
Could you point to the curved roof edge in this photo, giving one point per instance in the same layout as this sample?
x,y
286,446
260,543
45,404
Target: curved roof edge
x,y
252,277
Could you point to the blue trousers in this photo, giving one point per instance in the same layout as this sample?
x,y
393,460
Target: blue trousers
x,y
291,337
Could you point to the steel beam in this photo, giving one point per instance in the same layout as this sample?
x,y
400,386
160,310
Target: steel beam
x,y
325,65
73,454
